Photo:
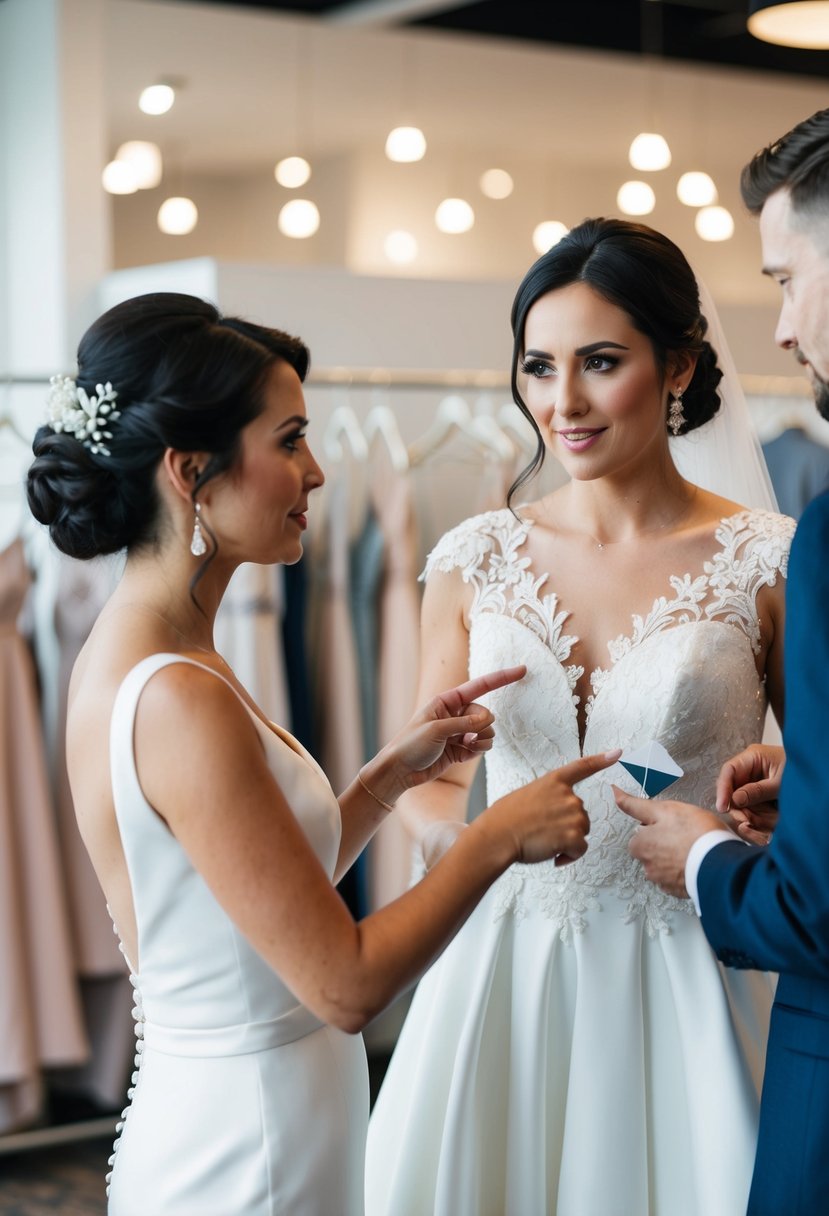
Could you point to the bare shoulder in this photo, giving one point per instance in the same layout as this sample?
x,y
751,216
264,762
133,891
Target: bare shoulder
x,y
711,508
542,512
714,509
447,598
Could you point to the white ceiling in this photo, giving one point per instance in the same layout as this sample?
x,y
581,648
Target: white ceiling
x,y
244,72
258,86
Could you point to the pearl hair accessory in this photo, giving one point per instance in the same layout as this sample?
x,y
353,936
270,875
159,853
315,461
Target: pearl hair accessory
x,y
72,410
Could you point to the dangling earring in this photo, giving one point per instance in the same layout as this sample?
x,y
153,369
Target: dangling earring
x,y
676,416
198,546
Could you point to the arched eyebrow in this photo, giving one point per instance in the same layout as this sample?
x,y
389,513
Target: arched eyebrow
x,y
296,420
582,350
594,346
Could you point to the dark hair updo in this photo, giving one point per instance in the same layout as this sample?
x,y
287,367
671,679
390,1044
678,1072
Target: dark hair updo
x,y
645,274
187,378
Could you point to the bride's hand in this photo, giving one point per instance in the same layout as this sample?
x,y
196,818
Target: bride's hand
x,y
449,729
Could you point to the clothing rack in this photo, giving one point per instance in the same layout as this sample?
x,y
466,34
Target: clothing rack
x,y
483,379
416,378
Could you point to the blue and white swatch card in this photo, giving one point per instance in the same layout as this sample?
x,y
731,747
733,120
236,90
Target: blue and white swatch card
x,y
652,766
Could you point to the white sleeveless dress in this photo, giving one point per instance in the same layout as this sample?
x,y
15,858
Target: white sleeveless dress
x,y
243,1102
577,1049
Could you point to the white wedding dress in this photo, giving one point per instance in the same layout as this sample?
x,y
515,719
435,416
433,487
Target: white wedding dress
x,y
243,1102
577,1050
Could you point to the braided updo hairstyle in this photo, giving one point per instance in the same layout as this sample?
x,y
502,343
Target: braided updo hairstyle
x,y
187,378
645,274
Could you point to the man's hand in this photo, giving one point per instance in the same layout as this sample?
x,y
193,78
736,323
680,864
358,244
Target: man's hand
x,y
665,835
747,790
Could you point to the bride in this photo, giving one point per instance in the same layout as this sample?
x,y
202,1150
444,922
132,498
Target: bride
x,y
578,1049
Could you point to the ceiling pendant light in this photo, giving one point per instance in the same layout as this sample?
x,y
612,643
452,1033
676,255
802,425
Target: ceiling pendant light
x,y
796,23
714,224
119,178
177,216
292,172
649,152
548,233
298,219
144,158
406,144
496,183
454,215
157,99
696,189
400,247
636,198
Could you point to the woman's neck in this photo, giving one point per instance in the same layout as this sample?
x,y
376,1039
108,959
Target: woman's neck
x,y
161,586
614,509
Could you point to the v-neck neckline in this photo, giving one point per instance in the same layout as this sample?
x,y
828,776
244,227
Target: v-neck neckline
x,y
643,626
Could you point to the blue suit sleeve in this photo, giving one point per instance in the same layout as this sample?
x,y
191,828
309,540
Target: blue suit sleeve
x,y
769,907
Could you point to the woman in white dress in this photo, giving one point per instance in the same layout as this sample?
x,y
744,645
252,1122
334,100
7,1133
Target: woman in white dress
x,y
578,1049
216,838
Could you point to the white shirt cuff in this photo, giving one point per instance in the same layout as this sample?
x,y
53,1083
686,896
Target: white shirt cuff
x,y
697,853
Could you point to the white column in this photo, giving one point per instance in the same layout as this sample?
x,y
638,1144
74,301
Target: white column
x,y
54,215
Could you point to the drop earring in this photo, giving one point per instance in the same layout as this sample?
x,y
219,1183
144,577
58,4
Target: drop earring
x,y
198,546
676,415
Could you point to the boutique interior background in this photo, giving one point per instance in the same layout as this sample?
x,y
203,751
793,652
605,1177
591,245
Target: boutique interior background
x,y
256,84
259,83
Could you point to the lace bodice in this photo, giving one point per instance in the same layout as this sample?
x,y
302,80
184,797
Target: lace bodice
x,y
684,675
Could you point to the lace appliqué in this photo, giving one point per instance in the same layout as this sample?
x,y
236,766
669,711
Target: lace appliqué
x,y
755,548
485,549
656,697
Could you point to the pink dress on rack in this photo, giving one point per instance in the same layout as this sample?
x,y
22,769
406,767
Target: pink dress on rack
x,y
40,1016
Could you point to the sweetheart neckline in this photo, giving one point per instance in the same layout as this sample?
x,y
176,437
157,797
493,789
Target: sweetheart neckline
x,y
606,672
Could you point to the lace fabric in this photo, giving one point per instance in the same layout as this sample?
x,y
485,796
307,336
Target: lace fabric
x,y
685,674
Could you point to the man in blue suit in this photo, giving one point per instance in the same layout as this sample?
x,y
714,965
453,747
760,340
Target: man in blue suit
x,y
768,908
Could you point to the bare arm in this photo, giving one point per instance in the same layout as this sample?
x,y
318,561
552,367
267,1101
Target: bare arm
x,y
449,731
434,816
202,766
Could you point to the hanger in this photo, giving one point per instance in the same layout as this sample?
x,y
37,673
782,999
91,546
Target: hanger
x,y
381,424
345,445
343,434
490,428
511,420
453,416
